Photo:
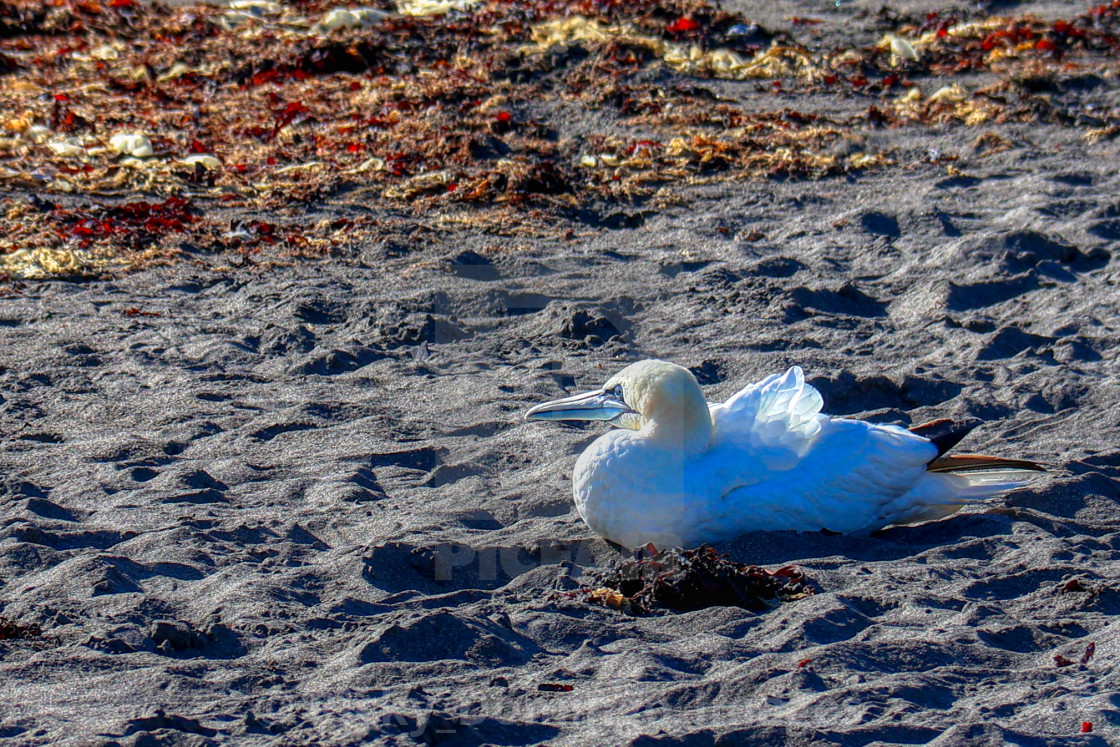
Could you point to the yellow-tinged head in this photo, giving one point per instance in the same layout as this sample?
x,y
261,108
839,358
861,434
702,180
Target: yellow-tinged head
x,y
660,399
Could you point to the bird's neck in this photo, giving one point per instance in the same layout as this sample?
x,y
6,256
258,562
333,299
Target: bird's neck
x,y
684,425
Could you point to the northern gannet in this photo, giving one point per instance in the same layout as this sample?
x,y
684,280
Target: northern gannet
x,y
680,471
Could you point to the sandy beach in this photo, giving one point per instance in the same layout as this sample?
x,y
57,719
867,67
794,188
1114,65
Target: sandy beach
x,y
279,491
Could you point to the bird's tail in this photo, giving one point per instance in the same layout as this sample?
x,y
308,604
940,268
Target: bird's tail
x,y
986,475
955,481
977,476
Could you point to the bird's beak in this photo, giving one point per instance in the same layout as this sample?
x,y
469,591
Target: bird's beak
x,y
597,405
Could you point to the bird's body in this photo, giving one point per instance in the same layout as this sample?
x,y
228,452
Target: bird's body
x,y
682,472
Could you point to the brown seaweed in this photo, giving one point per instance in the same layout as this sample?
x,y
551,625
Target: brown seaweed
x,y
687,580
464,113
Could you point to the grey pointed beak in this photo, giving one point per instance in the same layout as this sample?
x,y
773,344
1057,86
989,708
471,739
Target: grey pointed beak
x,y
597,405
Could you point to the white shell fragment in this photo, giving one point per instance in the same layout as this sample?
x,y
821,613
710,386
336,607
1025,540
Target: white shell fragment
x,y
348,18
433,7
105,52
902,48
242,12
208,162
257,7
308,166
67,148
37,133
370,164
132,144
953,94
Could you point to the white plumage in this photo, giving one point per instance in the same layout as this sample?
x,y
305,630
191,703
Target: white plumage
x,y
679,471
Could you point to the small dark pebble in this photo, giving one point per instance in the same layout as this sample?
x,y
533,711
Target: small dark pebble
x,y
1074,584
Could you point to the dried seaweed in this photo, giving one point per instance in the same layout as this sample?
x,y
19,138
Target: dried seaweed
x,y
437,107
687,580
10,630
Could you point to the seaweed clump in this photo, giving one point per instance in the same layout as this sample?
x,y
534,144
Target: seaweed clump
x,y
165,132
689,580
10,630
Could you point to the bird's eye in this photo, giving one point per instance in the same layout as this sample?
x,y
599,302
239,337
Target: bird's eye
x,y
617,391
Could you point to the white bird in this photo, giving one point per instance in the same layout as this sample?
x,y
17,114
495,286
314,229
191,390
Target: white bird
x,y
680,471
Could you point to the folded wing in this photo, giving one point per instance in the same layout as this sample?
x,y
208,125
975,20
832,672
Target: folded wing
x,y
789,466
799,462
781,411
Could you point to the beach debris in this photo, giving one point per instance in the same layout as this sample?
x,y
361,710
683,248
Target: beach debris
x,y
43,263
244,12
257,7
1086,727
10,630
412,102
69,147
900,49
204,160
1090,650
348,18
682,25
132,144
433,7
688,580
720,62
84,243
610,598
554,687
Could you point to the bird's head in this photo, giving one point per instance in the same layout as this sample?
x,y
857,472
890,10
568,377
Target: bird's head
x,y
658,398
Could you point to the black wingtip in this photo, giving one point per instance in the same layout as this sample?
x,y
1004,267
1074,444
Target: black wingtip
x,y
945,433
